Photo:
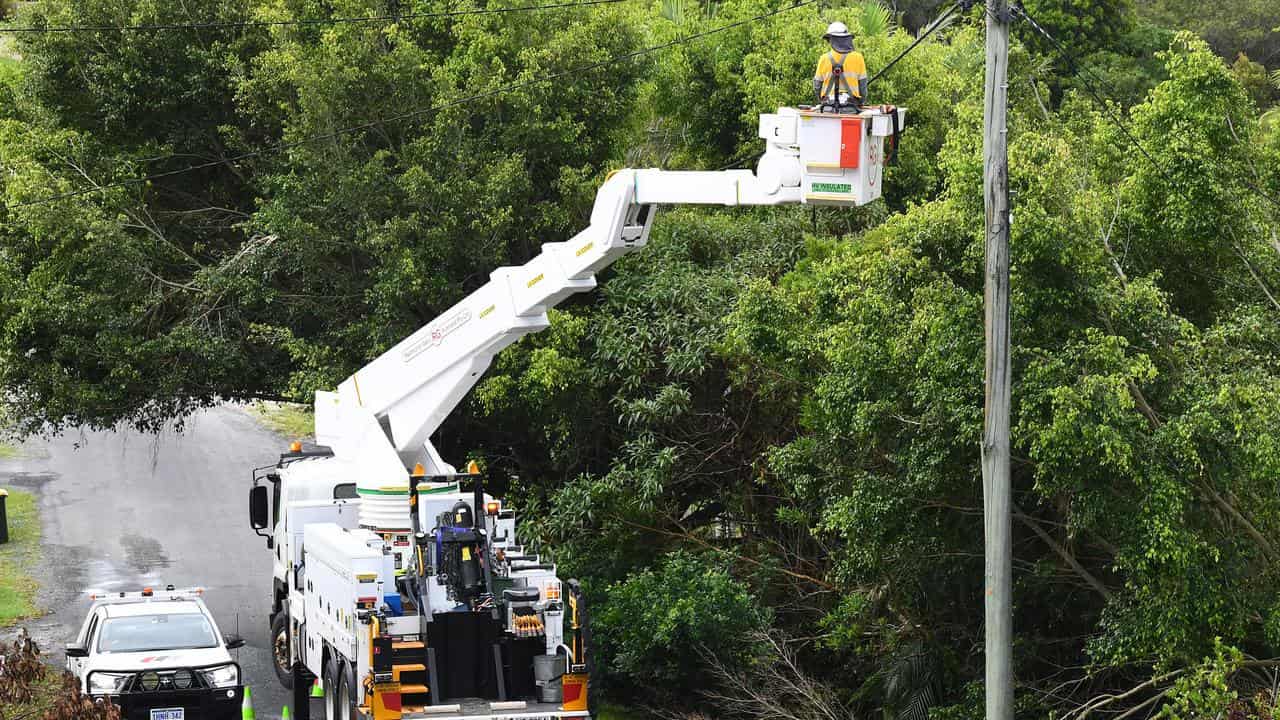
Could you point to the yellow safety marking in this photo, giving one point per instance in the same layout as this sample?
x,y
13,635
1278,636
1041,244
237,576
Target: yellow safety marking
x,y
534,281
355,380
466,553
366,577
822,165
583,250
486,311
830,196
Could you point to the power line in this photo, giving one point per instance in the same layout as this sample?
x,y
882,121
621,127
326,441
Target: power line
x,y
936,24
1116,117
416,113
240,24
742,157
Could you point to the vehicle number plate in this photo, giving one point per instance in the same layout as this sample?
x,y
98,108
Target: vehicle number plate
x,y
168,714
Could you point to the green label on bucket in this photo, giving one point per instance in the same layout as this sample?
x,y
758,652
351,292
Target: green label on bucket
x,y
833,187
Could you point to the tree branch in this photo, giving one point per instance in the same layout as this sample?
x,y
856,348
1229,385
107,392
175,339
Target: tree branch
x,y
1067,557
699,541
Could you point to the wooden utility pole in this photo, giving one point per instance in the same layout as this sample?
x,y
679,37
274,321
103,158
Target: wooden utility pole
x,y
996,492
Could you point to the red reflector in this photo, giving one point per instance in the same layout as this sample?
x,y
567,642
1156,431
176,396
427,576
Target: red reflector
x,y
367,600
391,701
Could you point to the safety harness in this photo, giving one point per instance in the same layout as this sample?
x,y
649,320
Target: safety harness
x,y
838,82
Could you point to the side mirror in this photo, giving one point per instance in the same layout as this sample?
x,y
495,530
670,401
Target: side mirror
x,y
77,651
259,511
233,641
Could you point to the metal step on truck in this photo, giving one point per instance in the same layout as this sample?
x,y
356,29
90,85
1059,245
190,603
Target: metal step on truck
x,y
400,583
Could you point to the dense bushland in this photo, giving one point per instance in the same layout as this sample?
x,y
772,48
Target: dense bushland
x,y
757,444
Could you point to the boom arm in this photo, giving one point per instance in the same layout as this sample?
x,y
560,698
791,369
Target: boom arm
x,y
381,417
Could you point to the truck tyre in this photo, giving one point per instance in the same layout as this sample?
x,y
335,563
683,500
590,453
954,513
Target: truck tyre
x,y
345,697
330,681
280,649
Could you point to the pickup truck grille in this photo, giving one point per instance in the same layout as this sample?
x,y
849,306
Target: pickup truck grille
x,y
167,680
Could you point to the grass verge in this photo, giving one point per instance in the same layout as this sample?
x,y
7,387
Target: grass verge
x,y
18,558
296,422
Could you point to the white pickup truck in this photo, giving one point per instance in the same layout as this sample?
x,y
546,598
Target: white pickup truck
x,y
158,656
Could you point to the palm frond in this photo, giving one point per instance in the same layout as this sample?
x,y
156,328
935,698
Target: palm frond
x,y
872,19
910,684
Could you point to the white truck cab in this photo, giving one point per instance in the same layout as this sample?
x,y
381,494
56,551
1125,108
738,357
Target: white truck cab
x,y
158,656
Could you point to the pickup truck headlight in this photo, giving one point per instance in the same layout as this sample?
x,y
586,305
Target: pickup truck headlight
x,y
222,676
104,683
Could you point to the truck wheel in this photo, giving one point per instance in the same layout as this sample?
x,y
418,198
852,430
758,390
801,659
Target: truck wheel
x,y
330,681
280,649
346,698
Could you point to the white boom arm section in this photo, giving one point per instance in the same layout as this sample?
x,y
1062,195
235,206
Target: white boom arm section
x,y
381,417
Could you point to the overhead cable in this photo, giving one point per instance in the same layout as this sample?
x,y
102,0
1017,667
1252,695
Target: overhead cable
x,y
929,31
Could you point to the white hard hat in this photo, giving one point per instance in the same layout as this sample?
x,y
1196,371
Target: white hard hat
x,y
836,29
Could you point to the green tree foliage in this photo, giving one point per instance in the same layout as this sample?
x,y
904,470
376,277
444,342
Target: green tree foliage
x,y
757,444
659,626
1231,27
1126,69
1253,77
1081,26
256,296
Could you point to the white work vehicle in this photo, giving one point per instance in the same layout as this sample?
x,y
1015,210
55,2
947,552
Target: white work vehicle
x,y
158,656
398,581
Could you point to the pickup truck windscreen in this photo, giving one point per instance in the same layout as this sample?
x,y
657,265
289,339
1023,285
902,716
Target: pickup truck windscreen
x,y
143,633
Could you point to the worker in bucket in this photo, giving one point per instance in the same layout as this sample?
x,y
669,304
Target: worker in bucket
x,y
841,78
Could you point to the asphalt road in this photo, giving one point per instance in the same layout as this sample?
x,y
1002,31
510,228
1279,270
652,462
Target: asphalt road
x,y
124,510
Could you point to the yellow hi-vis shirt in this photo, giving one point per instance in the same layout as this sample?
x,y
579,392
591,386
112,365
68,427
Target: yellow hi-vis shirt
x,y
853,67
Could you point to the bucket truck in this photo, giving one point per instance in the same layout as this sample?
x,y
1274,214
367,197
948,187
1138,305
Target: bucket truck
x,y
398,581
